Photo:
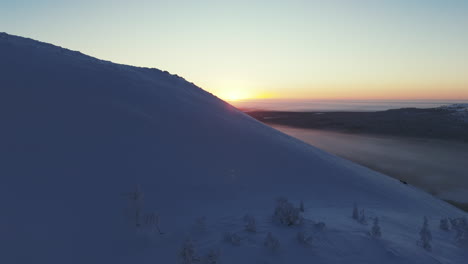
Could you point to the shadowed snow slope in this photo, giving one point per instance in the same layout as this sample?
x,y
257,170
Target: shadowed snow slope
x,y
77,132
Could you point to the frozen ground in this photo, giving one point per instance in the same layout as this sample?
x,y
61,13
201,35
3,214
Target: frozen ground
x,y
78,134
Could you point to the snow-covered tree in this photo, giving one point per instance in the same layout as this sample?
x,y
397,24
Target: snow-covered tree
x,y
286,214
271,242
375,230
425,236
362,217
459,222
303,238
355,212
453,221
250,224
460,225
187,253
232,238
444,224
462,236
301,206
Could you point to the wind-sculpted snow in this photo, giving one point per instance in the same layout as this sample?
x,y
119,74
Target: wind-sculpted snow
x,y
78,134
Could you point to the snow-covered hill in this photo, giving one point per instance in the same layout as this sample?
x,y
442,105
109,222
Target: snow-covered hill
x,y
78,134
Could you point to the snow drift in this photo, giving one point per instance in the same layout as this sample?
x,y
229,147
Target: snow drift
x,y
77,133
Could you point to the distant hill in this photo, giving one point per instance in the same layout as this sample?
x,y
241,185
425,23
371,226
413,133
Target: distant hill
x,y
447,122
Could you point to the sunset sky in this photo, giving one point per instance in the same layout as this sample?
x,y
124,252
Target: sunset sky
x,y
349,49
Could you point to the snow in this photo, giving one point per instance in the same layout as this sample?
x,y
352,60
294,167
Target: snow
x,y
79,134
460,111
456,107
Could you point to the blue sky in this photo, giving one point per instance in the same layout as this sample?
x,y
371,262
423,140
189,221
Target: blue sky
x,y
255,49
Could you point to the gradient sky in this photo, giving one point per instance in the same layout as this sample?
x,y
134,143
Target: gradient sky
x,y
359,49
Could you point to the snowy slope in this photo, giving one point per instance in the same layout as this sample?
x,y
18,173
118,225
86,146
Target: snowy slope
x,y
77,133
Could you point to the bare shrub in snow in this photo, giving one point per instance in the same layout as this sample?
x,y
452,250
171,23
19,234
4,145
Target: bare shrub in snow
x,y
213,257
271,242
355,212
362,217
286,214
425,236
200,224
462,236
303,238
250,224
232,238
320,226
151,222
136,204
187,253
375,230
444,224
301,206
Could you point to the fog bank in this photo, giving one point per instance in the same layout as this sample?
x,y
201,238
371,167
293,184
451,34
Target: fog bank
x,y
438,166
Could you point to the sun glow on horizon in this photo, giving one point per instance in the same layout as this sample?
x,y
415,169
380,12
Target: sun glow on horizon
x,y
235,95
392,91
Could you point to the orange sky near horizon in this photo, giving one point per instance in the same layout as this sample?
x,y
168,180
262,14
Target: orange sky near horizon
x,y
375,92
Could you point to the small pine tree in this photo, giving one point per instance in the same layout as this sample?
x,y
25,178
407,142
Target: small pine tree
x,y
425,236
362,217
355,212
271,242
375,231
444,224
301,206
